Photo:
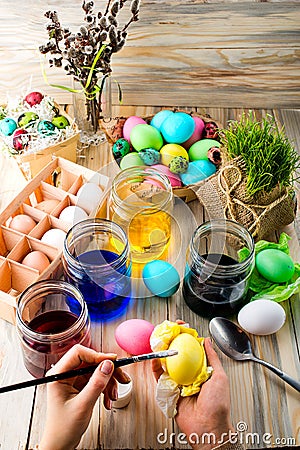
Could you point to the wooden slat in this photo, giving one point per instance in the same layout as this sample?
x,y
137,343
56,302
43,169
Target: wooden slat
x,y
197,52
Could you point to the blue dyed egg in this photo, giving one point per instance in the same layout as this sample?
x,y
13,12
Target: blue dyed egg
x,y
149,156
121,148
160,117
177,128
45,127
27,118
161,278
8,126
197,171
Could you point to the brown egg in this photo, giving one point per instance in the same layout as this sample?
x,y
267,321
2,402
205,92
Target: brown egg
x,y
36,260
47,206
22,223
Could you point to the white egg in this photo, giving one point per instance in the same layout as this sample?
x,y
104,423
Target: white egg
x,y
73,214
54,237
89,196
261,317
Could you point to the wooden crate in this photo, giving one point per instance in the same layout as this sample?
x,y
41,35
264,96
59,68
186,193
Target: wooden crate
x,y
14,276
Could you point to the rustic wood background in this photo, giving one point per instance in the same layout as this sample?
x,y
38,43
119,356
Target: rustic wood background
x,y
194,52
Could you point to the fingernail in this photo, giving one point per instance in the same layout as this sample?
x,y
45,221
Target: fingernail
x,y
115,393
106,367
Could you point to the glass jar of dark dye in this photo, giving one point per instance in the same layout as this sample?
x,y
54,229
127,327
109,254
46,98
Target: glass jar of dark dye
x,y
217,277
51,317
96,260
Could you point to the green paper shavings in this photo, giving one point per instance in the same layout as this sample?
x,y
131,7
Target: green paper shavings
x,y
265,289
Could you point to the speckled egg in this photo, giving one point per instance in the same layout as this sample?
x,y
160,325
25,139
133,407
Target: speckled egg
x,y
160,117
129,124
130,160
198,171
179,164
200,149
149,156
197,135
34,98
121,148
133,336
145,136
27,118
7,126
161,278
45,128
21,139
177,128
169,151
60,122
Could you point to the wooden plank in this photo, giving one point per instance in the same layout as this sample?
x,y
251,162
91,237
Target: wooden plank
x,y
245,53
15,406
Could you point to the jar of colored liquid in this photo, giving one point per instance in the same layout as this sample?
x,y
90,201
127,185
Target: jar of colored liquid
x,y
141,202
96,260
51,317
217,277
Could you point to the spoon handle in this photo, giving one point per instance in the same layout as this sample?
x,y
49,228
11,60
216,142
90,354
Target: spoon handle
x,y
291,381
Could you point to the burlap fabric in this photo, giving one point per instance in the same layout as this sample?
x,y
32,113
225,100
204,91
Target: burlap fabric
x,y
224,196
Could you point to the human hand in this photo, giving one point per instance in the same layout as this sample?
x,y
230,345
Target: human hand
x,y
208,411
70,402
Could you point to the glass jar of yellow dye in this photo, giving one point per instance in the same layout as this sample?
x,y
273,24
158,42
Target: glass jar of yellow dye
x,y
141,202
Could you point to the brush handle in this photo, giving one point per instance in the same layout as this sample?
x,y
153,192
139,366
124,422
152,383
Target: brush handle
x,y
82,371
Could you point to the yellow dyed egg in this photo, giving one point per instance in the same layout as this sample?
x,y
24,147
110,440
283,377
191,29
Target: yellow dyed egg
x,y
185,367
169,151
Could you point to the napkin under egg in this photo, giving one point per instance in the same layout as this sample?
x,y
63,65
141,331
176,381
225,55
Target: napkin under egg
x,y
167,390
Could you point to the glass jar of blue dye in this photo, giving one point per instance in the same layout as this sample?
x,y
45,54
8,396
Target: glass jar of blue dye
x,y
96,260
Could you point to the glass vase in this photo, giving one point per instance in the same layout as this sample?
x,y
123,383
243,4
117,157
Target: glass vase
x,y
88,110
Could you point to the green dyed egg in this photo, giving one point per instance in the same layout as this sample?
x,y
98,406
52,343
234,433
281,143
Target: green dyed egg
x,y
200,149
121,148
274,265
145,136
60,122
131,160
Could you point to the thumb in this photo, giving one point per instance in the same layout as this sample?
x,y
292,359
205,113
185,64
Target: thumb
x,y
97,382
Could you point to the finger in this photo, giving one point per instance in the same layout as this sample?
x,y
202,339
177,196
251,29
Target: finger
x,y
77,355
157,369
97,383
180,322
121,376
112,389
212,357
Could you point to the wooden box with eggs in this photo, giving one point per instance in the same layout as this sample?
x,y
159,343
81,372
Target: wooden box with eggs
x,y
33,128
33,226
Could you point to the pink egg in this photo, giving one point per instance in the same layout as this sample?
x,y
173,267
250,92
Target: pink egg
x,y
133,336
173,177
197,135
130,123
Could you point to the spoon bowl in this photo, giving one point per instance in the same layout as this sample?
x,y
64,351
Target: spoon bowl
x,y
235,343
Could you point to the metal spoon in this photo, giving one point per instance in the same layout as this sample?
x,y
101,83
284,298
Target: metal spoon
x,y
235,343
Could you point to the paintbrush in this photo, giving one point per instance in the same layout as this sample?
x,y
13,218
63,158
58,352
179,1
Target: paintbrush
x,y
85,370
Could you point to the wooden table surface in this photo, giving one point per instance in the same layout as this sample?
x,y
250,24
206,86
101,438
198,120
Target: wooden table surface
x,y
262,405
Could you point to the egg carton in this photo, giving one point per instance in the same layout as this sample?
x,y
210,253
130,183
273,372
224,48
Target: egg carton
x,y
113,130
60,180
